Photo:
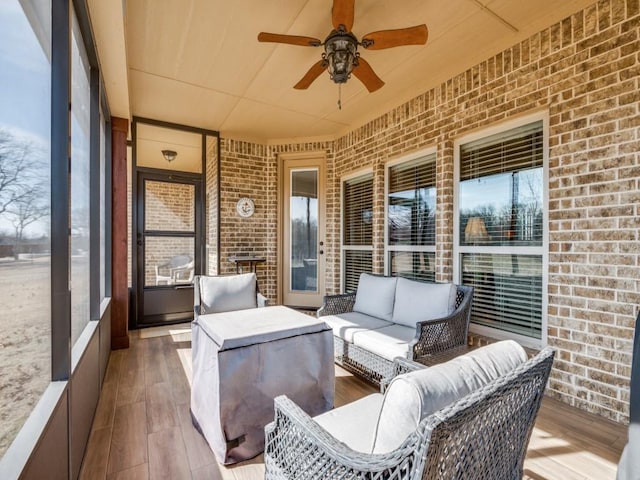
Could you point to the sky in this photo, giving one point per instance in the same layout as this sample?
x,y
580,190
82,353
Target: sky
x,y
25,76
25,85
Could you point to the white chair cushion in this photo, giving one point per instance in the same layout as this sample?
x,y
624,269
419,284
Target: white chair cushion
x,y
413,396
375,296
388,342
228,293
345,325
419,301
354,423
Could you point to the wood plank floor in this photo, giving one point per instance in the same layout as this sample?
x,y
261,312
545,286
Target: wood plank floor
x,y
142,428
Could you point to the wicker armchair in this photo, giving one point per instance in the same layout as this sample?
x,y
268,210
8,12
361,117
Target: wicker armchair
x,y
432,337
482,436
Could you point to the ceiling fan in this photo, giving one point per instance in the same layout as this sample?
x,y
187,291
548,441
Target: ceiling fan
x,y
341,56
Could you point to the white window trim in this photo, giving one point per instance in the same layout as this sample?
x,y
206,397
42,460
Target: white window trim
x,y
344,178
542,250
402,248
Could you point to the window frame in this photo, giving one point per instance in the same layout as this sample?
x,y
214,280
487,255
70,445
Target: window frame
x,y
42,25
344,248
387,175
55,404
542,250
80,26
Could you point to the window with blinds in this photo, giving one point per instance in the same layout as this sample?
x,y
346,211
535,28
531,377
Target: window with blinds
x,y
514,150
411,206
501,187
500,199
357,229
507,292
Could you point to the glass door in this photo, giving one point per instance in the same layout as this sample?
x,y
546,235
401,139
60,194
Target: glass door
x,y
303,204
168,247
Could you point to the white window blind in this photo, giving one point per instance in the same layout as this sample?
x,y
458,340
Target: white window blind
x,y
507,291
411,205
501,228
511,151
411,202
357,231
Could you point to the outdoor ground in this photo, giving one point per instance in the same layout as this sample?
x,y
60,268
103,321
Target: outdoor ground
x,y
25,341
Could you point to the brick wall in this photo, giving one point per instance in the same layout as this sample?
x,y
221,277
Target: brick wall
x,y
251,170
211,205
584,72
245,171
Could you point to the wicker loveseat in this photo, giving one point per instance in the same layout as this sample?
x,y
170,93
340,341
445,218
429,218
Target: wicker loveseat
x,y
389,317
468,418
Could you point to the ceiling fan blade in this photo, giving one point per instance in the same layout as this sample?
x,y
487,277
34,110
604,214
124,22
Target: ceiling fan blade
x,y
289,39
396,38
313,73
366,75
342,14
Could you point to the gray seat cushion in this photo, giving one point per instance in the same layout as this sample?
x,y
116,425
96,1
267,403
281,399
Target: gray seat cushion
x,y
375,296
345,325
354,423
419,301
388,342
413,396
228,293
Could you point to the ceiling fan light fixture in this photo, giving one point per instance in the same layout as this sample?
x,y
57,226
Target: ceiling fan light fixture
x,y
169,155
341,54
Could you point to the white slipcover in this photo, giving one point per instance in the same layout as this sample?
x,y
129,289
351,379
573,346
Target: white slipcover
x,y
243,360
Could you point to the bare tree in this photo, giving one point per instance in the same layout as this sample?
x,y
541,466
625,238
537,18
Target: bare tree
x,y
23,183
25,210
531,208
19,163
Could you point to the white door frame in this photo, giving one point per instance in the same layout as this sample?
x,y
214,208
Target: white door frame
x,y
288,163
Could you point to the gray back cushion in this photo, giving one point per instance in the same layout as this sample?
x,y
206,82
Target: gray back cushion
x,y
228,293
419,301
413,396
376,296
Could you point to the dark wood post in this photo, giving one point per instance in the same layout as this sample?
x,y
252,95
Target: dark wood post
x,y
119,283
